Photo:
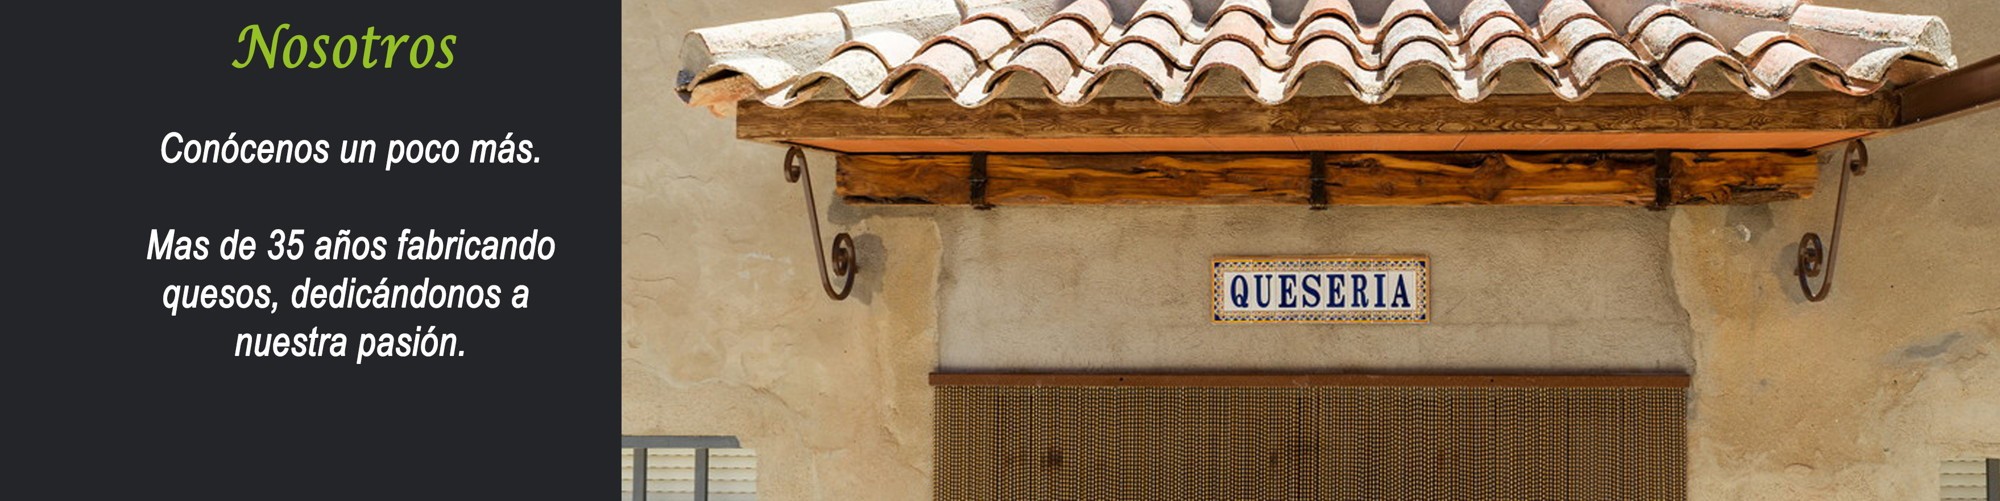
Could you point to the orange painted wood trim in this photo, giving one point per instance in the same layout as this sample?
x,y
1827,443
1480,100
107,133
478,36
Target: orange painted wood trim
x,y
1313,380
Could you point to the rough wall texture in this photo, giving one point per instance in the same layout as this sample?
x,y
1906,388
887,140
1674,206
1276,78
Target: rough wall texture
x,y
726,330
1857,397
1126,288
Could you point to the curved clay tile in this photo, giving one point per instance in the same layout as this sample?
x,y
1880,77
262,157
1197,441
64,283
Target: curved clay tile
x,y
1411,30
911,18
1342,10
982,37
1020,23
1506,52
888,93
1402,9
1752,46
1034,10
1559,14
1424,54
857,71
1618,13
1866,43
1730,21
1046,62
1092,14
1768,9
1480,12
1256,8
1242,26
1073,37
1647,15
1327,27
1175,14
1774,68
1334,54
1660,36
768,52
1577,34
1163,77
952,64
1230,58
876,52
1680,66
1475,45
1589,62
893,47
787,96
1155,34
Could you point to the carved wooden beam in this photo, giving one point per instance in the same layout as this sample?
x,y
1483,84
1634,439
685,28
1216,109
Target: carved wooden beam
x,y
1562,178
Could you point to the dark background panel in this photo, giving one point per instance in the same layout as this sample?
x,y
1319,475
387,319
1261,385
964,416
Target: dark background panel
x,y
116,396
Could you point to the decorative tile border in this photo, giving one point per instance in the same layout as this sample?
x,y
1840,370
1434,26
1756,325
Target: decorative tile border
x,y
1320,289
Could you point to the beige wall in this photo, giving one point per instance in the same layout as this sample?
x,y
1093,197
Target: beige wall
x,y
1106,288
1859,396
726,330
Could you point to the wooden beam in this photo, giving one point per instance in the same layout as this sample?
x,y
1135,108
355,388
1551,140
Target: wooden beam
x,y
1616,179
1378,143
1314,380
1439,123
1957,92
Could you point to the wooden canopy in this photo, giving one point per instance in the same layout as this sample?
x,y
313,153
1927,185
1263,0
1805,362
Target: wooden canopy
x,y
1608,149
1725,103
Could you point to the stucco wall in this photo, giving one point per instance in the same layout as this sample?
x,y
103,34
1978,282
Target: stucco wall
x,y
1126,288
726,330
1859,396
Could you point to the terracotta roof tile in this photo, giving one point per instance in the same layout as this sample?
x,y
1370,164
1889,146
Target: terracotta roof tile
x,y
973,50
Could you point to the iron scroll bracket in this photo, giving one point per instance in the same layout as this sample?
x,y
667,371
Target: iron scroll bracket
x,y
843,244
1814,260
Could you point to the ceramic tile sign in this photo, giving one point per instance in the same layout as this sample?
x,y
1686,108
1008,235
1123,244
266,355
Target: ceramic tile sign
x,y
1322,289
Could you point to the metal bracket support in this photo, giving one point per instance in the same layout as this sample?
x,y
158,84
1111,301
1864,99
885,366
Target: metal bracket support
x,y
1663,180
843,245
977,181
1318,195
1814,260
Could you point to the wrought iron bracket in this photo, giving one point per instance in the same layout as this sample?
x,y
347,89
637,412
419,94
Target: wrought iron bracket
x,y
1318,181
1815,261
1663,180
843,245
976,181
